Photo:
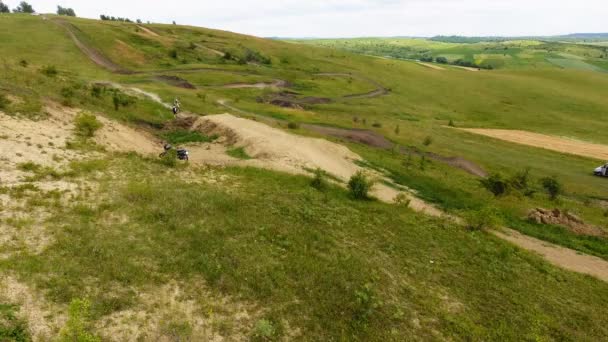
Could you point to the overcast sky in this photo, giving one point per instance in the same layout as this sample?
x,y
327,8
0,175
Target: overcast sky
x,y
357,18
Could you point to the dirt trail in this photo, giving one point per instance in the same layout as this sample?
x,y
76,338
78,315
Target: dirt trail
x,y
366,137
95,55
563,145
432,66
466,68
260,85
379,91
557,255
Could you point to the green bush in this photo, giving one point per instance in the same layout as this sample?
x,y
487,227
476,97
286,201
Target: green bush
x,y
496,184
485,218
319,182
23,63
49,71
427,141
359,186
552,186
293,125
86,125
173,53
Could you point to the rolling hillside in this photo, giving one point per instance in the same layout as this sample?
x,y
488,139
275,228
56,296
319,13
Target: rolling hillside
x,y
101,239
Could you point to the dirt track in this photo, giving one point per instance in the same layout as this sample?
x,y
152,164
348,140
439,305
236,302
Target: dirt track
x,y
563,145
96,56
557,255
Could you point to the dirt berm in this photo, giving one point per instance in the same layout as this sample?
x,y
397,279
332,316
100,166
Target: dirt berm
x,y
276,149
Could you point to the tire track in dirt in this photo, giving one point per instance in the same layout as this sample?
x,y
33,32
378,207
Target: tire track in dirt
x,y
94,55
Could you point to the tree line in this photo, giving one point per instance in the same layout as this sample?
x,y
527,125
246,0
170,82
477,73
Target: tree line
x,y
25,7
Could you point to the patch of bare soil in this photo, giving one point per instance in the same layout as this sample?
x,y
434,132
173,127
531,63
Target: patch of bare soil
x,y
148,31
565,219
467,68
559,144
379,91
557,255
175,81
43,319
362,136
276,149
261,85
95,55
289,99
432,66
179,311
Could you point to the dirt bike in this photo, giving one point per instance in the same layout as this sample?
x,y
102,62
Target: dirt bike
x,y
182,154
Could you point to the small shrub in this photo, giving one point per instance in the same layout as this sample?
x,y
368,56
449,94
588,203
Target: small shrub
x,y
397,130
485,218
377,125
366,303
29,167
173,53
97,91
23,63
359,186
427,141
496,184
293,125
521,180
11,327
552,186
49,71
78,326
451,123
86,125
264,329
319,182
423,162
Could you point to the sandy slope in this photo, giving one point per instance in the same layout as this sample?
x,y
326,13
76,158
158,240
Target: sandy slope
x,y
548,142
432,66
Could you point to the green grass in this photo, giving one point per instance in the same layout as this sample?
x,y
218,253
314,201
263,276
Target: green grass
x,y
340,269
238,153
11,327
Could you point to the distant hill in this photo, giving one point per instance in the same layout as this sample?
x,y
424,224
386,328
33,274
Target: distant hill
x,y
473,40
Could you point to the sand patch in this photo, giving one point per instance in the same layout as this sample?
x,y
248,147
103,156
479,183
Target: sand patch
x,y
548,142
466,68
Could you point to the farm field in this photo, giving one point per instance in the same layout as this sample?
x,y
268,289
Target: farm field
x,y
261,235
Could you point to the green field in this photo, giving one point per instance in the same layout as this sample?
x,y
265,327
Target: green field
x,y
295,262
497,54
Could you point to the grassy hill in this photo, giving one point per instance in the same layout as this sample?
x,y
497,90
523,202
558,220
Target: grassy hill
x,y
133,247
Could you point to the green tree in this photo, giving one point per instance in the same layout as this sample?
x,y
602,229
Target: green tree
x,y
4,8
24,7
65,11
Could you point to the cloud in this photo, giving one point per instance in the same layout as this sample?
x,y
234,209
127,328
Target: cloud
x,y
348,18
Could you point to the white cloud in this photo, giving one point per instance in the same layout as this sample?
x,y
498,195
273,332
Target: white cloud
x,y
348,18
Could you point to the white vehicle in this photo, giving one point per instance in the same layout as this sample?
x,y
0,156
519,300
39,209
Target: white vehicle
x,y
601,171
